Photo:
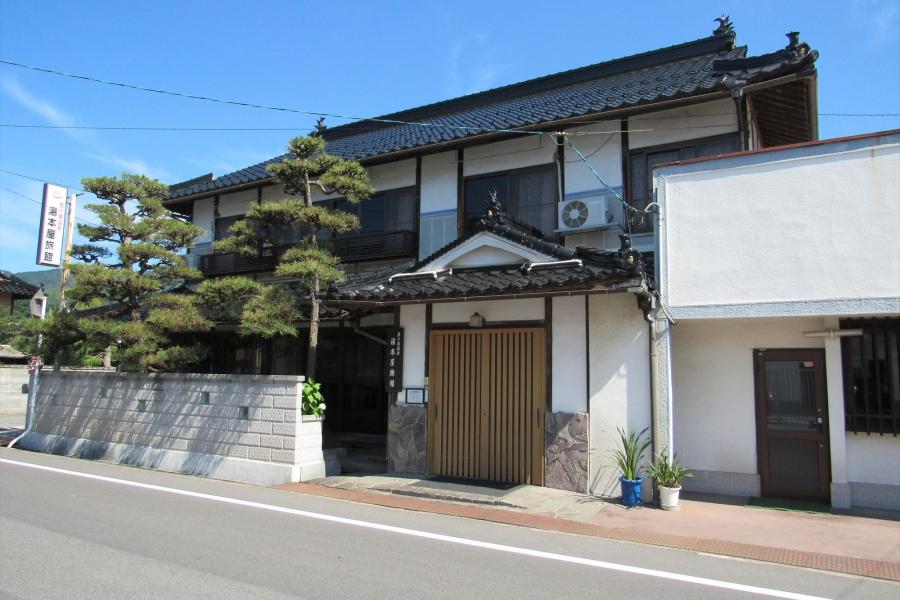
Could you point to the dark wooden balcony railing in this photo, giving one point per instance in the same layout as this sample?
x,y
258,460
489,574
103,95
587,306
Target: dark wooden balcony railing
x,y
358,248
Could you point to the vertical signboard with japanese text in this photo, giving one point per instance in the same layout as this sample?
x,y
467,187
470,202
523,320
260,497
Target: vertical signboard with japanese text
x,y
53,221
393,366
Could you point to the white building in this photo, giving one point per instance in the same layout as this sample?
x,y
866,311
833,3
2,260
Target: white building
x,y
782,270
529,333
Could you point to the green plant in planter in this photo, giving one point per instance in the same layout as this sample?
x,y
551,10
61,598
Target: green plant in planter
x,y
667,472
629,456
313,400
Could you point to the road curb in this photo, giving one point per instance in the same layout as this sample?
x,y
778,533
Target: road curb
x,y
785,556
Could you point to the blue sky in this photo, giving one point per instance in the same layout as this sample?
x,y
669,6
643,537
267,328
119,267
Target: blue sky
x,y
358,58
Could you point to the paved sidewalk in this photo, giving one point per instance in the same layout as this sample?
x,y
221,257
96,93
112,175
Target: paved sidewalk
x,y
841,543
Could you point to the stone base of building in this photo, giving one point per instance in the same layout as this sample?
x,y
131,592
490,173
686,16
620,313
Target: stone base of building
x,y
566,449
723,482
874,495
176,461
840,495
407,439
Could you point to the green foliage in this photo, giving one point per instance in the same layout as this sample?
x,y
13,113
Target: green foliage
x,y
313,401
667,472
14,333
309,264
272,311
131,282
61,334
629,456
224,298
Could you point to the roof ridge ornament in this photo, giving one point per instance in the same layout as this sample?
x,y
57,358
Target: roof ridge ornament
x,y
795,48
725,29
629,257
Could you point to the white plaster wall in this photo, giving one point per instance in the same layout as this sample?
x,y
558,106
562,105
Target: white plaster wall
x,y
873,459
806,231
713,386
203,217
273,193
393,175
439,182
493,311
569,368
517,153
412,320
437,225
487,256
236,203
602,147
686,123
619,381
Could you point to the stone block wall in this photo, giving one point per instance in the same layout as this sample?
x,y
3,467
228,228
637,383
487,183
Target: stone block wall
x,y
13,389
243,427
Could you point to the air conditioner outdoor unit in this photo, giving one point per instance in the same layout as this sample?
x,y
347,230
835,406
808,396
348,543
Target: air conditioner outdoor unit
x,y
580,214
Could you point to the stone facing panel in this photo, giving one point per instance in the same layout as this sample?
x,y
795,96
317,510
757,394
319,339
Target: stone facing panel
x,y
566,447
407,439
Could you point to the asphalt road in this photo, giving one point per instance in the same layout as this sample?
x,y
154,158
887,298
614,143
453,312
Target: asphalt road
x,y
93,530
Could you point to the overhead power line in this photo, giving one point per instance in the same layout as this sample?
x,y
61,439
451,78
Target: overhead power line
x,y
85,221
263,106
313,113
71,187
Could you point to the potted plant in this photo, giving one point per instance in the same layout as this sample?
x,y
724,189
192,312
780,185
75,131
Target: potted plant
x,y
668,475
313,402
628,458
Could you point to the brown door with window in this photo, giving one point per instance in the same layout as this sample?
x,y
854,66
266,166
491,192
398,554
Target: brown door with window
x,y
487,397
792,424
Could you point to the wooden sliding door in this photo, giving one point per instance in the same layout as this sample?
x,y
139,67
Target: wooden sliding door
x,y
487,397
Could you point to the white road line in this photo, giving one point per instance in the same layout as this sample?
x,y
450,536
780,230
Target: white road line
x,y
588,562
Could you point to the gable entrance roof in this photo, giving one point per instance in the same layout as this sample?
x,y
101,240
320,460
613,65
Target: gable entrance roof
x,y
706,67
559,270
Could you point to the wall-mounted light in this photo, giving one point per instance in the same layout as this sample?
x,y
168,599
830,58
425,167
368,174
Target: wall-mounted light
x,y
476,320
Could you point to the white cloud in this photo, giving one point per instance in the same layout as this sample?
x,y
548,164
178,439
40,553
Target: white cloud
x,y
130,165
15,239
56,116
471,65
881,18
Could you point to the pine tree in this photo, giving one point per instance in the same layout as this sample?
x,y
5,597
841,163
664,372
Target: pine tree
x,y
309,169
133,281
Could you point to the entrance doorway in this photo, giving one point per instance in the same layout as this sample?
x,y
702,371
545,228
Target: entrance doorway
x,y
792,424
487,397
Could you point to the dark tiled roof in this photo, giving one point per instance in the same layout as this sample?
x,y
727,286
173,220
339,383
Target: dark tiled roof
x,y
596,267
680,71
19,288
505,280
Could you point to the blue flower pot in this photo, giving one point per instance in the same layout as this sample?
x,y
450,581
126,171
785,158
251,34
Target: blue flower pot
x,y
631,491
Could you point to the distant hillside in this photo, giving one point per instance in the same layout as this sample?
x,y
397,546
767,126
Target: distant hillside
x,y
49,278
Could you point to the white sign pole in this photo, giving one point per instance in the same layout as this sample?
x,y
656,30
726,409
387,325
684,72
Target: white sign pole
x,y
50,238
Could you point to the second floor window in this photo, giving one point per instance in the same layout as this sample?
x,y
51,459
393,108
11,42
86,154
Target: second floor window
x,y
641,169
529,195
223,224
384,212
